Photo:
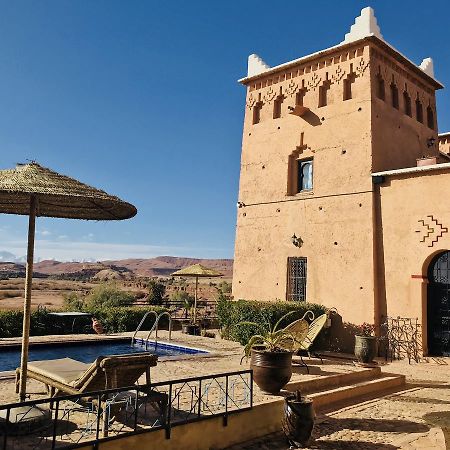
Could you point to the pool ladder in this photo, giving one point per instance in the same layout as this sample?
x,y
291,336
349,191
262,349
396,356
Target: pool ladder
x,y
154,327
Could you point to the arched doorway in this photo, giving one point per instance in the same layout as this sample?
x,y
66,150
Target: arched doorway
x,y
438,307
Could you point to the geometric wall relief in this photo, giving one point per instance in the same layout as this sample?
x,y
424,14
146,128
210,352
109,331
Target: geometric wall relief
x,y
432,230
361,67
251,101
291,88
314,81
338,75
270,95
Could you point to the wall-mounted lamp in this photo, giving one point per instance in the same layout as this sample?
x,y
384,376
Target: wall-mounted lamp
x,y
297,241
430,142
240,204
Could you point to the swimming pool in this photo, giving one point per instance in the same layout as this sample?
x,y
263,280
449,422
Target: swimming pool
x,y
89,350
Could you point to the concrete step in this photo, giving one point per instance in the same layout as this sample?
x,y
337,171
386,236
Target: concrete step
x,y
319,384
353,393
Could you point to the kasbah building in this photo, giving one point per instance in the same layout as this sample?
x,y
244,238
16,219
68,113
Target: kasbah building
x,y
343,185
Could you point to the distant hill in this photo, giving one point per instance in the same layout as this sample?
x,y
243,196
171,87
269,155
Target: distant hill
x,y
152,267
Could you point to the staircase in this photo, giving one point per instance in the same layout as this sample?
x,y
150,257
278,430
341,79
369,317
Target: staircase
x,y
341,390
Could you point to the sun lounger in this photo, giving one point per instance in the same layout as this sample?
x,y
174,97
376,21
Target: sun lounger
x,y
67,375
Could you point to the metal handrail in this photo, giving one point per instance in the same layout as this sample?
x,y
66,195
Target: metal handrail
x,y
155,327
133,338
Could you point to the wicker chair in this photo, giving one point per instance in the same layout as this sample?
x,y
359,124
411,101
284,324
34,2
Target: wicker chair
x,y
69,376
304,346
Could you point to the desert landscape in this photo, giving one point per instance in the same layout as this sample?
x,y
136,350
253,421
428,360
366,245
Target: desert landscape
x,y
54,279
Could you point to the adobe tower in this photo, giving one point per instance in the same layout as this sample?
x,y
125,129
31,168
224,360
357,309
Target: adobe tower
x,y
316,132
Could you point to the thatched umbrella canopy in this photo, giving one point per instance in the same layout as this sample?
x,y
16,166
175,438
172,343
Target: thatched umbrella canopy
x,y
33,190
197,271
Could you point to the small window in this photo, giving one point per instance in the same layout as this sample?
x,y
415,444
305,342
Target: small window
x,y
257,113
296,279
394,95
323,93
305,175
407,103
380,87
430,118
299,97
277,106
419,111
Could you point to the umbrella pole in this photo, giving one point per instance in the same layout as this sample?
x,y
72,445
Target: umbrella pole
x,y
195,301
27,301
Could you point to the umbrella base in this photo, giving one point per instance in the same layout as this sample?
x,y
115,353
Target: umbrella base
x,y
24,420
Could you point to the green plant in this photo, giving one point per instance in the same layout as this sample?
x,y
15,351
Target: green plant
x,y
73,302
107,295
232,312
274,338
366,329
156,292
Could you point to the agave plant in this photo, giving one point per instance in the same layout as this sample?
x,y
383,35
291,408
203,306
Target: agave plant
x,y
273,339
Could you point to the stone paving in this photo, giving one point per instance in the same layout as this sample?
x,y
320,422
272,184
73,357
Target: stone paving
x,y
405,420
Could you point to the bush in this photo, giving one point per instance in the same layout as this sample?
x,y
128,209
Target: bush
x,y
73,302
183,297
156,292
113,319
107,295
230,313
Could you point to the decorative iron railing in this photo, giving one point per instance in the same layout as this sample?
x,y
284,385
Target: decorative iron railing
x,y
73,421
402,337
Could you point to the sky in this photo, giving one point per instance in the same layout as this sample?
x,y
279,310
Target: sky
x,y
141,99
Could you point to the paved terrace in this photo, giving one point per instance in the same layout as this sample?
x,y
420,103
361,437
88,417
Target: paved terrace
x,y
401,420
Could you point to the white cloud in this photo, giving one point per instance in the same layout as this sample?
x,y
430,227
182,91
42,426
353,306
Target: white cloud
x,y
64,250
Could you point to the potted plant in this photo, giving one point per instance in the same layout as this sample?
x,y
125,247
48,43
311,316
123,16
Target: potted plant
x,y
365,343
298,419
191,324
270,356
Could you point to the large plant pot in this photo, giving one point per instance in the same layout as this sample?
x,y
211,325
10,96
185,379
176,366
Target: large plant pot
x,y
298,420
271,370
189,328
365,348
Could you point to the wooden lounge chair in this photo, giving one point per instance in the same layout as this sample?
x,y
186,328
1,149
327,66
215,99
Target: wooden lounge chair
x,y
69,376
304,346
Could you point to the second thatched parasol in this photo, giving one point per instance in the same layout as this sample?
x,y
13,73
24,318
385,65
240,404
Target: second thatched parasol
x,y
197,271
33,190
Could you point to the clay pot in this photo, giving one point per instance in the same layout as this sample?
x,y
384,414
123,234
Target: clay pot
x,y
298,419
365,348
189,328
271,370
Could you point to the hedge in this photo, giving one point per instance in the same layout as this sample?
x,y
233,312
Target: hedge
x,y
231,313
114,320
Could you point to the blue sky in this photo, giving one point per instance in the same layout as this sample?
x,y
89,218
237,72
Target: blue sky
x,y
140,99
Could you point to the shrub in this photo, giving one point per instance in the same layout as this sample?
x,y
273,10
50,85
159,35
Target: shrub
x,y
183,297
230,313
73,302
114,320
107,295
156,292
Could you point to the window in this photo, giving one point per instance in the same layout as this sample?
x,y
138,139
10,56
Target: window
x,y
296,279
407,103
380,87
430,118
348,86
419,111
305,175
323,93
277,106
257,113
394,95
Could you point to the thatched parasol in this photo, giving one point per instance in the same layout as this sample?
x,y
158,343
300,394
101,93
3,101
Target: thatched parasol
x,y
197,271
33,190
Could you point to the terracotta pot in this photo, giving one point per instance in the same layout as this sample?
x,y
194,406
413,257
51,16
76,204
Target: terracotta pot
x,y
271,370
365,348
189,328
298,420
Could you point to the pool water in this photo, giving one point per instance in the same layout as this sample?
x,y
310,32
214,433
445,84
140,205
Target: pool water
x,y
88,351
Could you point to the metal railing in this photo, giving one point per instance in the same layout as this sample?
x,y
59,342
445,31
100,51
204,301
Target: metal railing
x,y
133,338
74,421
155,328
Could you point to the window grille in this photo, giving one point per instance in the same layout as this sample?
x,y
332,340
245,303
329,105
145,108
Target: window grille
x,y
296,285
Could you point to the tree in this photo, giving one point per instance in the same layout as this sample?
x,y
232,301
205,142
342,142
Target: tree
x,y
108,295
156,292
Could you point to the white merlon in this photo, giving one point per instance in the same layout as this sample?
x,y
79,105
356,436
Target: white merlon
x,y
365,25
256,65
427,67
